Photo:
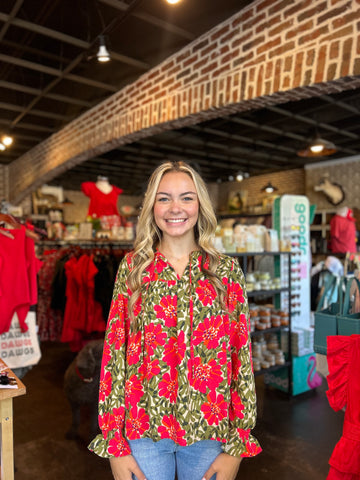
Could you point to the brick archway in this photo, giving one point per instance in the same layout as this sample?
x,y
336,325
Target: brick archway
x,y
268,53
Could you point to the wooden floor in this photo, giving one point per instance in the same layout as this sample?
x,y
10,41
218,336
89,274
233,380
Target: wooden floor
x,y
297,434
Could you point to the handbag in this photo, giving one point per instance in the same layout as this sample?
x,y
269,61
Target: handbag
x,y
349,323
326,319
20,349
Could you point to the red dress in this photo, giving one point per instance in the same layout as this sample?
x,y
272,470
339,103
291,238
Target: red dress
x,y
343,355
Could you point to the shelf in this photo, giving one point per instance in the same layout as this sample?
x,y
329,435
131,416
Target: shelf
x,y
268,330
252,254
224,215
271,369
266,293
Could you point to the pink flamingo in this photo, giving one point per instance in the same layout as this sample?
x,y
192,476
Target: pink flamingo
x,y
314,379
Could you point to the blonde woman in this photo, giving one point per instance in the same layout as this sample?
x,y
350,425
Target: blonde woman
x,y
177,394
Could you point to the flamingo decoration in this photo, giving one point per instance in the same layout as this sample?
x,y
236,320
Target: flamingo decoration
x,y
314,379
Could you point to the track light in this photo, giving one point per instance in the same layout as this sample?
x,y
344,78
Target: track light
x,y
318,147
103,54
269,188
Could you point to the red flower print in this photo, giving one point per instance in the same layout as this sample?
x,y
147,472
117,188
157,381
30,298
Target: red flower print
x,y
137,423
105,386
133,391
118,418
160,265
118,446
251,450
235,366
149,368
215,409
206,292
222,355
209,332
106,356
116,335
171,429
236,406
154,336
134,348
235,295
174,351
168,387
243,434
206,375
118,307
112,421
105,422
239,332
166,310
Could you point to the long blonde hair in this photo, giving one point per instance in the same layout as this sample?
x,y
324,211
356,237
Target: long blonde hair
x,y
148,235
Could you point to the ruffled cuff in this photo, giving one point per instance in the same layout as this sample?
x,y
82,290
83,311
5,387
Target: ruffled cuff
x,y
114,445
242,444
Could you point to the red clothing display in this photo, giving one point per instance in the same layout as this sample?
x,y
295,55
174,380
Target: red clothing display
x,y
18,278
342,234
343,356
101,203
83,314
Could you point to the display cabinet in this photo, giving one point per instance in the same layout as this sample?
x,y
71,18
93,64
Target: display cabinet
x,y
262,297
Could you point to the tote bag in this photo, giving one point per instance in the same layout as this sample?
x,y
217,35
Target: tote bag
x,y
20,349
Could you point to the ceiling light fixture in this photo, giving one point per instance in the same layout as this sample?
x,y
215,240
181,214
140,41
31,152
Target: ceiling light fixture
x,y
239,177
2,147
318,147
173,2
269,188
103,54
6,140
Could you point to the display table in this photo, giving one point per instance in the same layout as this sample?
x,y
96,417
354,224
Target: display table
x,y
6,423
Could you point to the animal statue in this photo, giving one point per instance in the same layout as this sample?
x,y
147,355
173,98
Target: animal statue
x,y
333,191
81,386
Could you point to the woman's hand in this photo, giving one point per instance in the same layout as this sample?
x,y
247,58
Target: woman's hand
x,y
224,466
123,467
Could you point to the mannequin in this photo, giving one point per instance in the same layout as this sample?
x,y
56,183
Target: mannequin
x,y
103,184
343,231
103,197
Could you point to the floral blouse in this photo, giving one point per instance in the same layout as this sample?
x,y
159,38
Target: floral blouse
x,y
186,373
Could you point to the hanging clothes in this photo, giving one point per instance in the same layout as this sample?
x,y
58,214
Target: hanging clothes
x,y
83,314
50,321
343,356
18,280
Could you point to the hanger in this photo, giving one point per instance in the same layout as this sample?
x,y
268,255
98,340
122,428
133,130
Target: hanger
x,y
10,220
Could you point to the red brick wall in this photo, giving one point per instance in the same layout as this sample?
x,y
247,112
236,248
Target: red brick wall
x,y
270,52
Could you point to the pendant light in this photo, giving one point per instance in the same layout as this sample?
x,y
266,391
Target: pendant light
x,y
269,188
318,147
103,54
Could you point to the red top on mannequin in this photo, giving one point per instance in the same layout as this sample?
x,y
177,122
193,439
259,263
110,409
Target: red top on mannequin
x,y
103,197
343,231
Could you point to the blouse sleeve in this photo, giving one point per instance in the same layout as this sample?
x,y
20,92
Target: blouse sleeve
x,y
242,411
111,441
338,357
87,188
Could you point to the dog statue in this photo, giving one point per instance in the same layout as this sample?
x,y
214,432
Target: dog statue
x,y
81,386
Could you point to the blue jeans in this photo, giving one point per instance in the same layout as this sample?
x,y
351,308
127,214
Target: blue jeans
x,y
160,460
